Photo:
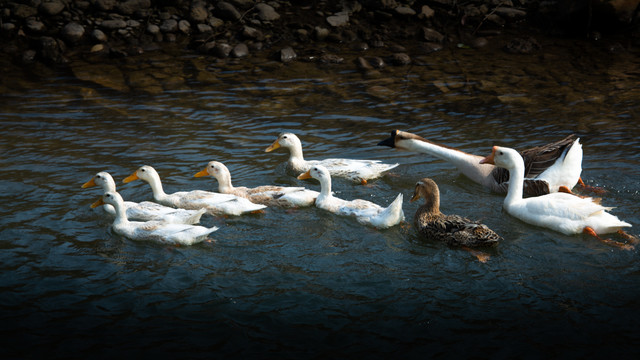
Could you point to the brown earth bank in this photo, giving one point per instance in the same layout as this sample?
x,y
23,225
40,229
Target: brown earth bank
x,y
53,32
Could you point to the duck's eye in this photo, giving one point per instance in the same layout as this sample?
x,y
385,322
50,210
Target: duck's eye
x,y
143,170
284,137
501,153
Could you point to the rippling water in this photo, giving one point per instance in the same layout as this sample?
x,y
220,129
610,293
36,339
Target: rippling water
x,y
301,283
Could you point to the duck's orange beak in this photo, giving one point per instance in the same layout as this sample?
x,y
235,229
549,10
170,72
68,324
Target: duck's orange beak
x,y
131,177
202,173
97,203
306,175
89,183
275,145
489,159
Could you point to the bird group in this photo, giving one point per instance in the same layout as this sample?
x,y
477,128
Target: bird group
x,y
545,175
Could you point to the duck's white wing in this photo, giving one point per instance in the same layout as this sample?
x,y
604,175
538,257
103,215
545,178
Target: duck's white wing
x,y
147,210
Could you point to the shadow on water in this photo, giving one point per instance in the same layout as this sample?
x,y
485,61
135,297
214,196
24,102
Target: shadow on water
x,y
303,282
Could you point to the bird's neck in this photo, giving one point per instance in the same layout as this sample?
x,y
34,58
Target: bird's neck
x,y
516,183
156,188
224,184
431,205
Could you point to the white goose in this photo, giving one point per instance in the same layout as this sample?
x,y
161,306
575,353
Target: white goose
x,y
364,211
145,210
266,195
548,168
354,170
197,199
562,212
163,232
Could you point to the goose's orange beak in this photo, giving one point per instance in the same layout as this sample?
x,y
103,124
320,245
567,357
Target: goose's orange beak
x,y
275,145
131,177
97,203
306,175
202,173
490,159
89,183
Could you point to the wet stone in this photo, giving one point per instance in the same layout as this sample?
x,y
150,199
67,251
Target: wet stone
x,y
222,50
73,32
339,19
35,26
198,11
113,24
51,8
401,59
252,33
227,11
287,55
405,11
239,51
204,28
267,12
184,26
169,26
153,29
432,35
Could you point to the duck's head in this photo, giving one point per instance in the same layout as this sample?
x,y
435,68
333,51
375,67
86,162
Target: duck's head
x,y
286,140
424,188
213,168
317,172
111,198
102,179
146,173
503,157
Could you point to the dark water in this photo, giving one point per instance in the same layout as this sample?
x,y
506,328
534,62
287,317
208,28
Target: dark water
x,y
305,283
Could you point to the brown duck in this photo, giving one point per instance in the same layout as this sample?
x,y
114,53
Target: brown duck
x,y
452,229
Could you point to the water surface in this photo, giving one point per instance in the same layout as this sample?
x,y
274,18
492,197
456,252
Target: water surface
x,y
303,282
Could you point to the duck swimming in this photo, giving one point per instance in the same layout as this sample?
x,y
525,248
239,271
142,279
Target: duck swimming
x,y
359,171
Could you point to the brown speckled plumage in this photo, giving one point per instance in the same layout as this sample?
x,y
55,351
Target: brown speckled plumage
x,y
453,229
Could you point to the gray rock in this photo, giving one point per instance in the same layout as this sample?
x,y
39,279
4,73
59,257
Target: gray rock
x,y
105,5
339,19
266,12
153,29
198,11
510,13
98,35
222,50
8,26
287,55
169,26
29,56
184,26
22,11
405,11
479,42
73,32
131,6
252,33
214,22
51,8
35,26
432,35
330,59
113,24
401,59
227,11
239,51
320,33
133,23
426,12
204,28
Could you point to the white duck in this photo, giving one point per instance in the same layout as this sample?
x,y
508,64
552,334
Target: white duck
x,y
266,195
354,170
364,211
145,210
197,199
163,232
548,168
562,212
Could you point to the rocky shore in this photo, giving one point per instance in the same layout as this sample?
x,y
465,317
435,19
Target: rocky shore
x,y
53,32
